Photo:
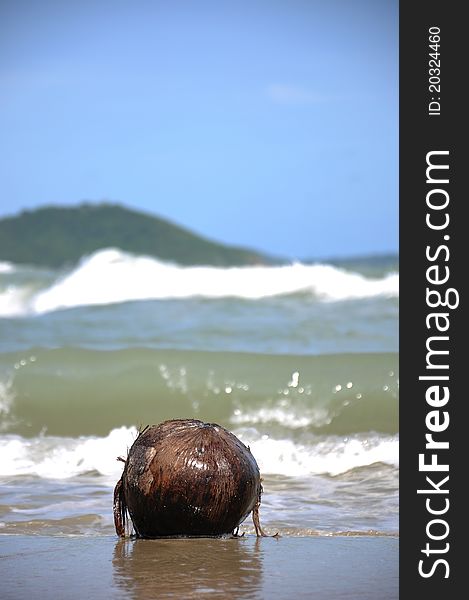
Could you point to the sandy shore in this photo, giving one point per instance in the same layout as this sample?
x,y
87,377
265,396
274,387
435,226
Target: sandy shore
x,y
72,568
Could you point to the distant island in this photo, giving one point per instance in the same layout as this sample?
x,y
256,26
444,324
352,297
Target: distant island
x,y
55,236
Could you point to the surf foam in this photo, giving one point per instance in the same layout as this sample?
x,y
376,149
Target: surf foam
x,y
111,276
62,458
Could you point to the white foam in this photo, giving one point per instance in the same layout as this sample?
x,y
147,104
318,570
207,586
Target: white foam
x,y
6,267
110,276
16,301
333,457
290,418
62,458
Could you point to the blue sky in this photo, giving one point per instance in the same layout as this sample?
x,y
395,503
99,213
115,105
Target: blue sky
x,y
270,124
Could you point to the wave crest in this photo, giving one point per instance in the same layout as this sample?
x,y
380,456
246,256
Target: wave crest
x,y
51,457
112,276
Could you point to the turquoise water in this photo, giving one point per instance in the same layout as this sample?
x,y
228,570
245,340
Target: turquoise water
x,y
298,361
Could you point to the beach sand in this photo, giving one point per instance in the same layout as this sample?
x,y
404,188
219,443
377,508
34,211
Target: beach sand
x,y
72,568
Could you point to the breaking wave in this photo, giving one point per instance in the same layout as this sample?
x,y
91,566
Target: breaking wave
x,y
113,276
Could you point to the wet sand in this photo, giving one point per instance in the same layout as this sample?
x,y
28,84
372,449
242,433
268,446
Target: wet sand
x,y
72,568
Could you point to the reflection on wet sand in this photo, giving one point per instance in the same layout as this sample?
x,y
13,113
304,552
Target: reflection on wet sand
x,y
189,568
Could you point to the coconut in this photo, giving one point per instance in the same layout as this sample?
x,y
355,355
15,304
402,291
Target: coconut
x,y
185,477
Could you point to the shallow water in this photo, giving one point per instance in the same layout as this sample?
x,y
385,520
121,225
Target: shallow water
x,y
98,567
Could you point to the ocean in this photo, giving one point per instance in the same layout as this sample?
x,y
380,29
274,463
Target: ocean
x,y
300,361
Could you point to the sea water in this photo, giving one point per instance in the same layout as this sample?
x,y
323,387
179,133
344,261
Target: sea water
x,y
300,361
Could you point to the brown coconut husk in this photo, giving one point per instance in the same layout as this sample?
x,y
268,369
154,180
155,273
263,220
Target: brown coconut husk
x,y
185,477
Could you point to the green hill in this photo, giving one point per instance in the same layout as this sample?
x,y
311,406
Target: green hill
x,y
55,236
